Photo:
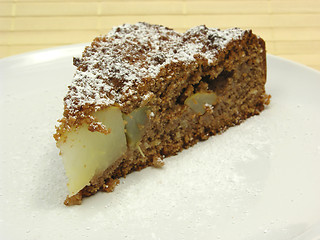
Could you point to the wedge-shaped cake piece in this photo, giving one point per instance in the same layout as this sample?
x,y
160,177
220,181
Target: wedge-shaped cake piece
x,y
144,92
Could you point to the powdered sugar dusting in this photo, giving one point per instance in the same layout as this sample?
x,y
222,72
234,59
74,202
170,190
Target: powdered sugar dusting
x,y
116,64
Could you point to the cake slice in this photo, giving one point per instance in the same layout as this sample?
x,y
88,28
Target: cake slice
x,y
144,92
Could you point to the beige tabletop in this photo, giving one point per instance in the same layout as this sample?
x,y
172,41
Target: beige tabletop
x,y
291,28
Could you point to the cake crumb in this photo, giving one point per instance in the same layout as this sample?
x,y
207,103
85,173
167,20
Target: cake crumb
x,y
158,163
110,184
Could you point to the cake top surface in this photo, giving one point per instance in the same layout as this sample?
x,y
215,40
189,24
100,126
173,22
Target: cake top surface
x,y
115,65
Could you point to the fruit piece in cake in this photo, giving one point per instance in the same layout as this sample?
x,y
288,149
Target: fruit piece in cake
x,y
144,92
135,125
87,153
197,102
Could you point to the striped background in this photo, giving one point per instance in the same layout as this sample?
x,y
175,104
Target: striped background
x,y
290,27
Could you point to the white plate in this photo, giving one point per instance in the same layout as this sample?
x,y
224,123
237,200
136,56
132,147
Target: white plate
x,y
259,180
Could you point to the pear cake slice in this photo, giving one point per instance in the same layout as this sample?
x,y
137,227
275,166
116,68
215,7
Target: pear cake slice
x,y
144,92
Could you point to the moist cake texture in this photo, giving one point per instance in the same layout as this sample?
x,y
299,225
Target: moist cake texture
x,y
144,92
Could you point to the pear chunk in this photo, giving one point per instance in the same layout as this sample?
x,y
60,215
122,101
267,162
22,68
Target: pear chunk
x,y
198,101
135,125
86,154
